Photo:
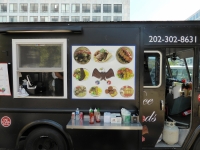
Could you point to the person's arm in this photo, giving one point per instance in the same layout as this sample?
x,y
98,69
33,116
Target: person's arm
x,y
59,75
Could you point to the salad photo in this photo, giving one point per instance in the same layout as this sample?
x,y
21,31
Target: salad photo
x,y
81,74
82,55
95,91
126,91
80,91
125,73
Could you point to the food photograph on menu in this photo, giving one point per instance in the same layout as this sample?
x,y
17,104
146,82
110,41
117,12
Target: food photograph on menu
x,y
103,72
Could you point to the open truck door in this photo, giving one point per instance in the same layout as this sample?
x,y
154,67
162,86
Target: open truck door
x,y
168,79
174,100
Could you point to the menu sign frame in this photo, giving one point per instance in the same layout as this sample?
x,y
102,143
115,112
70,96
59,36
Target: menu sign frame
x,y
103,72
4,80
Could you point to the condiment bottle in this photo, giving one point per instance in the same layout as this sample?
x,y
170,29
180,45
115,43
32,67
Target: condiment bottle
x,y
90,110
91,115
77,114
95,113
98,115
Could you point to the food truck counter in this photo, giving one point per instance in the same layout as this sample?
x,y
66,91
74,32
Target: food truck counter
x,y
108,135
84,124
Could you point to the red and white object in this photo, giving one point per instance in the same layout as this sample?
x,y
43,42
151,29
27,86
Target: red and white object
x,y
187,112
5,121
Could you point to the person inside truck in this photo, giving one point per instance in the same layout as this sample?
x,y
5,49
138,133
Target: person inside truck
x,y
57,83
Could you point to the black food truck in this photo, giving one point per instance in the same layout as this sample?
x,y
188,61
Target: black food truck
x,y
142,77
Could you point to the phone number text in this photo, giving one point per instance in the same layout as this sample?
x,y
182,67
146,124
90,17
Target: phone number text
x,y
172,39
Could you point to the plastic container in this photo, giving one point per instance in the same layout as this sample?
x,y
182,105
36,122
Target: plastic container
x,y
126,118
126,115
177,87
106,117
170,133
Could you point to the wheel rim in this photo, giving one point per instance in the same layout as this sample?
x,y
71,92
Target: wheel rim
x,y
45,143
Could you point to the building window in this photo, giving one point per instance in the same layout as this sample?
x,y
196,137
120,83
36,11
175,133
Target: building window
x,y
54,18
96,8
44,8
54,8
64,18
117,18
75,8
107,8
65,8
44,19
96,18
33,19
34,8
32,64
86,18
23,8
117,8
3,7
13,19
13,8
106,18
85,8
75,18
23,19
3,19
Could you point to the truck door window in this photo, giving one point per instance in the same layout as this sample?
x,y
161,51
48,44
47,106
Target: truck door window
x,y
152,69
38,68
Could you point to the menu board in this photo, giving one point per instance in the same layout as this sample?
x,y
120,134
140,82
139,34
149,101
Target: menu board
x,y
4,80
103,72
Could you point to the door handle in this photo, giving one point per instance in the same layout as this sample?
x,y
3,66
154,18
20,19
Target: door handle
x,y
162,105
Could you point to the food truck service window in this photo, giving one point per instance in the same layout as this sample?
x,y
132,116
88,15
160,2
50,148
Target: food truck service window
x,y
39,68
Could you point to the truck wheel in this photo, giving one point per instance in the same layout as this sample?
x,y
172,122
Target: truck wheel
x,y
45,139
196,144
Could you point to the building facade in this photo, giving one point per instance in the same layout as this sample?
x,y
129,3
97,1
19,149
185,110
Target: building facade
x,y
64,10
195,16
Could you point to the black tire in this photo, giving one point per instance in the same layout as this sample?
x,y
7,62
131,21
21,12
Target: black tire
x,y
196,145
45,139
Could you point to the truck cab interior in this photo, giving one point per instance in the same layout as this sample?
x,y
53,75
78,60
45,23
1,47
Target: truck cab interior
x,y
173,70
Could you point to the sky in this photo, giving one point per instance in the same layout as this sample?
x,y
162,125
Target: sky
x,y
163,9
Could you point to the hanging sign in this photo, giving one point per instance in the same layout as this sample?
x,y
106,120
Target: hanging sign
x,y
4,80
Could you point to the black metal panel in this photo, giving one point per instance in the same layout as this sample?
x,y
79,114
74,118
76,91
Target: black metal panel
x,y
106,139
171,35
93,34
124,33
8,137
